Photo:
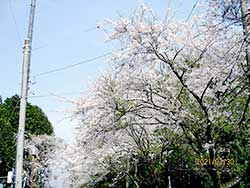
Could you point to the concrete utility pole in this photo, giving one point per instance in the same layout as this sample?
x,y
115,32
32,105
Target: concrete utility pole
x,y
24,91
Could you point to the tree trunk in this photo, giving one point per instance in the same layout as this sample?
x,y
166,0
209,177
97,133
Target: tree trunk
x,y
246,28
214,177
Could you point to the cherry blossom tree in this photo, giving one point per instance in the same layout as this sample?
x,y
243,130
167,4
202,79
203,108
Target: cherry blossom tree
x,y
39,158
173,88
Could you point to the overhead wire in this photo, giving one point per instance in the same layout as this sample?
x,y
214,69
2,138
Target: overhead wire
x,y
92,28
54,95
192,10
71,66
15,22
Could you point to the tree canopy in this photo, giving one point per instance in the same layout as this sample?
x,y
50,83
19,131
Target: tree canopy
x,y
37,123
174,107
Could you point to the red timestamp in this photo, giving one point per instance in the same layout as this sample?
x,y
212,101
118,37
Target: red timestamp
x,y
215,162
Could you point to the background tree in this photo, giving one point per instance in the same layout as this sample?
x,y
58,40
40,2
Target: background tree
x,y
37,123
7,146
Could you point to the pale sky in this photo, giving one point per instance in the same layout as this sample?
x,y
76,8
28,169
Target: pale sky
x,y
64,33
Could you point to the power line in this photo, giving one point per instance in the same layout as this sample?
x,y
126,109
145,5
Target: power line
x,y
92,28
72,65
15,22
54,95
192,10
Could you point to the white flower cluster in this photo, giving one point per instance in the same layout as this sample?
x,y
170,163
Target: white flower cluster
x,y
159,67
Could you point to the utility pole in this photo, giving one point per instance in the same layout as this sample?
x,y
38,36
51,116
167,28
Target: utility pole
x,y
24,92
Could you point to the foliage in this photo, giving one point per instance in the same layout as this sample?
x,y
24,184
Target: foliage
x,y
36,123
7,146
